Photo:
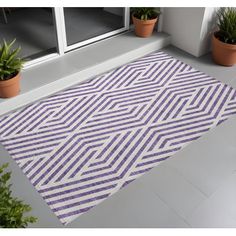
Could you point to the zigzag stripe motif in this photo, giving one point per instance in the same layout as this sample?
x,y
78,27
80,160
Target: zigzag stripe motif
x,y
83,144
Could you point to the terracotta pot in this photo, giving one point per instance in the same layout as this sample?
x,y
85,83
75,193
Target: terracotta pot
x,y
143,28
223,53
11,87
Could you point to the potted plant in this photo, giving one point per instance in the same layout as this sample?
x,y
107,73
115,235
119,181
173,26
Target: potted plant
x,y
224,39
10,67
12,209
144,19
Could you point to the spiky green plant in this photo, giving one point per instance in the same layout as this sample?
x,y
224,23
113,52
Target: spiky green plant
x,y
10,62
11,209
227,25
145,13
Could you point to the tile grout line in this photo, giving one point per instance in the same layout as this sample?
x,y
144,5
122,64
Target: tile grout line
x,y
164,202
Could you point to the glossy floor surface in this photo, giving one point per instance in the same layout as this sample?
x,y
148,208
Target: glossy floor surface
x,y
195,188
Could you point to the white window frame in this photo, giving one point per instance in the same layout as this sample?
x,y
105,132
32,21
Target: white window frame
x,y
94,39
62,47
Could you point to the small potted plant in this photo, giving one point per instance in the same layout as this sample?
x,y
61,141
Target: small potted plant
x,y
144,19
224,39
10,67
12,209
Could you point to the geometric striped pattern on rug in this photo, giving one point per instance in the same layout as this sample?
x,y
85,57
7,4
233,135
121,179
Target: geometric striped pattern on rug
x,y
81,145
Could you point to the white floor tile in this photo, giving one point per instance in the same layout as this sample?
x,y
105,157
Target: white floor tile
x,y
173,189
219,210
151,211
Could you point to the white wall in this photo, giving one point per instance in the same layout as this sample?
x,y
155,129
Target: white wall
x,y
190,28
159,25
208,27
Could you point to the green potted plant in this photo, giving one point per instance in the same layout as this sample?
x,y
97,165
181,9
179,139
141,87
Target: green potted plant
x,y
10,67
224,39
144,19
12,209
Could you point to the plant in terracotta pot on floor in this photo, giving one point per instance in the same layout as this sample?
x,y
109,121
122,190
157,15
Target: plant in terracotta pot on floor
x,y
10,67
224,39
144,19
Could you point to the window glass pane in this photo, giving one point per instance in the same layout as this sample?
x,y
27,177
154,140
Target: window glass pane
x,y
85,23
33,29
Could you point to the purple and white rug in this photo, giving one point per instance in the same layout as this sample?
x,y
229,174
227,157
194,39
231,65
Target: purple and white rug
x,y
81,145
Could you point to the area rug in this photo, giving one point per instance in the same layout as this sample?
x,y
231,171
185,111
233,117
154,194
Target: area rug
x,y
81,145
